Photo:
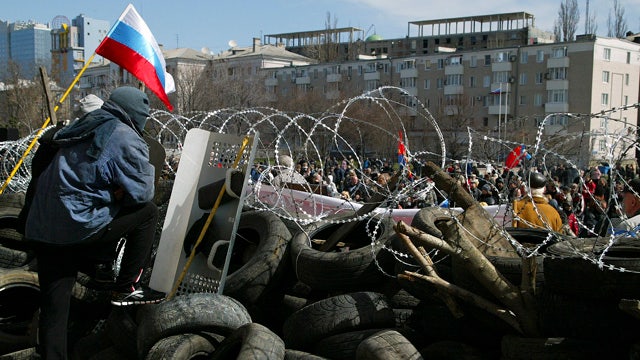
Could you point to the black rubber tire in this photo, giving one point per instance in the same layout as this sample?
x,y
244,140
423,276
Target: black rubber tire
x,y
12,203
190,313
569,274
584,318
19,308
342,346
335,315
121,328
266,257
387,344
290,354
521,348
426,218
110,353
455,350
249,342
352,270
24,354
91,344
182,346
14,253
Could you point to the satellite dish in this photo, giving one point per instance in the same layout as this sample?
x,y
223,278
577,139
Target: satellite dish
x,y
233,43
205,50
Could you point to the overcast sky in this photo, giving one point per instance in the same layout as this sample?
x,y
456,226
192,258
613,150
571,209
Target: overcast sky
x,y
211,24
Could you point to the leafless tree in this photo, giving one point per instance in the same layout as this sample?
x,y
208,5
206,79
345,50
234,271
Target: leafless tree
x,y
616,22
22,103
567,22
590,25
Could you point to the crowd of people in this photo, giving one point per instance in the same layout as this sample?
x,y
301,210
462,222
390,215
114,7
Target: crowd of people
x,y
585,201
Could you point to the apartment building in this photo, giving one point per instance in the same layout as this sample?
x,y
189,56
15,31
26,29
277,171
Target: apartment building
x,y
506,78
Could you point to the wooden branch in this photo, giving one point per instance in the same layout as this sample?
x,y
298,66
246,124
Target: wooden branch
x,y
480,302
421,256
424,239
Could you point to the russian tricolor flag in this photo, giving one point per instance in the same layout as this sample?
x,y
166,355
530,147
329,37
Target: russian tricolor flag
x,y
131,45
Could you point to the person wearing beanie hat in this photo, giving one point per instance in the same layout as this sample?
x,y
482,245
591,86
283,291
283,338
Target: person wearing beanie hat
x,y
533,210
97,189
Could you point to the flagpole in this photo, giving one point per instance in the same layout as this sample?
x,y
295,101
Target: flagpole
x,y
45,124
499,116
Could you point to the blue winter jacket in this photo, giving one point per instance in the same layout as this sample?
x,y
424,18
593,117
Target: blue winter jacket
x,y
98,154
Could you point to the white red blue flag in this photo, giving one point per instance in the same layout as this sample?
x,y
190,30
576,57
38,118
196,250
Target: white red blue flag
x,y
496,91
131,45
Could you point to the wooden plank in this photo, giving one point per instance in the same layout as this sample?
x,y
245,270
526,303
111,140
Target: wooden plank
x,y
47,93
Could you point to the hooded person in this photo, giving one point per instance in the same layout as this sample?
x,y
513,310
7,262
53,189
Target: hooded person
x,y
533,210
97,189
287,173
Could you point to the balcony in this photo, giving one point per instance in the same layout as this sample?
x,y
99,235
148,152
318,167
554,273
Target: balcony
x,y
501,66
499,110
334,78
561,62
409,73
271,82
556,107
301,80
453,89
557,85
456,69
374,75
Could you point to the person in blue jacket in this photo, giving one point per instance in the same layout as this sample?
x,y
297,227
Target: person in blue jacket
x,y
97,189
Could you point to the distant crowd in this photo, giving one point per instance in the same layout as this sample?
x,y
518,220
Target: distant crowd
x,y
584,198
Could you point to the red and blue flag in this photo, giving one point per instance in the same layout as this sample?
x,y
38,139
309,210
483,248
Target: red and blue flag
x,y
131,45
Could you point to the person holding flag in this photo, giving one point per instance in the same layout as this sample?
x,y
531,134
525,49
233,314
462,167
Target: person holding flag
x,y
97,189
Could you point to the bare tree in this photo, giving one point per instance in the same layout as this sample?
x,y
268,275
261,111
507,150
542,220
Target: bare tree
x,y
22,103
567,21
616,22
590,25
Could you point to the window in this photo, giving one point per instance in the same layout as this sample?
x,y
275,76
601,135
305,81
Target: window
x,y
558,73
605,76
408,64
606,54
524,57
626,79
455,79
440,63
605,99
626,100
537,100
455,60
523,100
440,83
557,96
472,81
473,61
559,52
487,60
485,121
628,57
540,56
486,81
523,79
427,64
539,78
409,82
603,145
501,76
427,84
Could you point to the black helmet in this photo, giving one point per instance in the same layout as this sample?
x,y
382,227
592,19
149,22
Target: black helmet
x,y
536,180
